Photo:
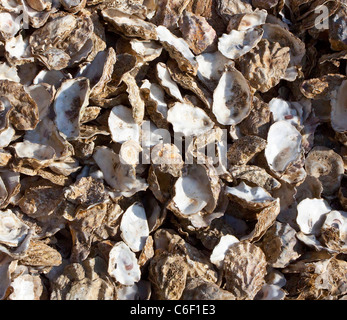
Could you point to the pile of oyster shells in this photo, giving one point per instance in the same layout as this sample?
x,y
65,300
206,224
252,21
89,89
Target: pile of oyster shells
x,y
97,201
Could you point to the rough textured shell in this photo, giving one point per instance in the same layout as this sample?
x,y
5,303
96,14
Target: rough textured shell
x,y
244,270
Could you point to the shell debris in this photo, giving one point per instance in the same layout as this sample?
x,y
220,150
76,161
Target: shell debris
x,y
173,150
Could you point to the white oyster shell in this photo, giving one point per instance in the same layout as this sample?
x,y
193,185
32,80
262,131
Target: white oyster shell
x,y
192,191
134,227
196,120
237,43
284,145
311,215
122,125
12,230
70,102
178,50
123,265
232,99
167,83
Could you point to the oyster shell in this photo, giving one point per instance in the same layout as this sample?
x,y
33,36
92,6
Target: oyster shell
x,y
283,146
327,166
237,43
122,265
134,227
265,65
70,102
244,270
236,103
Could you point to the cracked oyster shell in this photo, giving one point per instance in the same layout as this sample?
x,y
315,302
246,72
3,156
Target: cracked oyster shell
x,y
23,111
123,265
283,146
265,219
67,41
237,43
199,289
13,231
220,250
254,176
232,98
99,71
326,165
244,270
87,280
134,227
71,99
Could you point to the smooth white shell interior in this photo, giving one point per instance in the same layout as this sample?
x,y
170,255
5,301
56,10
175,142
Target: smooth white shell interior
x,y
134,227
122,125
284,145
123,264
311,215
196,121
232,98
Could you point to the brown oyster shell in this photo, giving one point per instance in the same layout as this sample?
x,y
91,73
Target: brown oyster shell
x,y
244,270
265,65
